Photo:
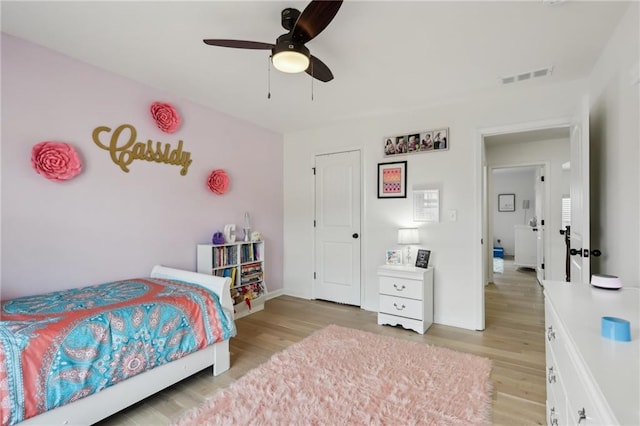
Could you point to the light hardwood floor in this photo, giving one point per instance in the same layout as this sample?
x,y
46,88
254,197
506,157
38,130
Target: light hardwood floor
x,y
513,339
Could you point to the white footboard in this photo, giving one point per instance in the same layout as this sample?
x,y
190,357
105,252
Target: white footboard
x,y
109,401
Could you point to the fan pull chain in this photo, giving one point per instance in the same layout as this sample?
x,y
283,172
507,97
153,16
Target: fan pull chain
x,y
312,78
269,74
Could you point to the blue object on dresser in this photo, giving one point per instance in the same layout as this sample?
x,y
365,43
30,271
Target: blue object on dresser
x,y
616,329
498,252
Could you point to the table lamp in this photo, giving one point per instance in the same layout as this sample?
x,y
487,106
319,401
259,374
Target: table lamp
x,y
408,236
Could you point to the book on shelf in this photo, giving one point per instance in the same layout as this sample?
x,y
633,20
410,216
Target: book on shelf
x,y
223,256
255,272
250,266
245,281
250,252
226,272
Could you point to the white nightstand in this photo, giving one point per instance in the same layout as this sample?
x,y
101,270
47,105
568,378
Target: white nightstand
x,y
406,297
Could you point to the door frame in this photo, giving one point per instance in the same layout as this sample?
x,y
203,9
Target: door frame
x,y
480,228
362,233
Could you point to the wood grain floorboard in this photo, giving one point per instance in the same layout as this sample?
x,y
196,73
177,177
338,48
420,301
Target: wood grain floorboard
x,y
513,340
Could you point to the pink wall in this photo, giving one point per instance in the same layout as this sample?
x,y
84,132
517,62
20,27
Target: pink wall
x,y
106,224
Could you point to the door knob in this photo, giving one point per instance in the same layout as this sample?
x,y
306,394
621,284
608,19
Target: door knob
x,y
573,252
596,253
355,235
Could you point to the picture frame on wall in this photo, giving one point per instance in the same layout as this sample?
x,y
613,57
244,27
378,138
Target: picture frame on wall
x,y
392,180
506,202
394,257
426,205
417,142
422,259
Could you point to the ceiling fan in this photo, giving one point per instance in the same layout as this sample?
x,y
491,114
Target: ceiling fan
x,y
289,53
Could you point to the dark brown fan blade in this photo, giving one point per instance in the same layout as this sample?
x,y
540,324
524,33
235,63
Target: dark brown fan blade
x,y
314,18
318,70
239,44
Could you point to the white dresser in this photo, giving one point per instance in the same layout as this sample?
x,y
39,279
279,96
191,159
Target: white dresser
x,y
591,380
406,297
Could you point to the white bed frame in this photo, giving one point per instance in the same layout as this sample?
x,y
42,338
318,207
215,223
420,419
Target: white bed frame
x,y
108,401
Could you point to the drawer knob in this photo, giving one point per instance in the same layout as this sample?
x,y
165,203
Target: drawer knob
x,y
553,420
551,335
551,376
400,308
399,288
582,415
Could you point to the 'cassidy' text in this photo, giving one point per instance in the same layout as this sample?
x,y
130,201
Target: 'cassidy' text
x,y
124,150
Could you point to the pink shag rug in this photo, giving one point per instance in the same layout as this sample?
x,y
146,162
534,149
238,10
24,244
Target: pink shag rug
x,y
342,376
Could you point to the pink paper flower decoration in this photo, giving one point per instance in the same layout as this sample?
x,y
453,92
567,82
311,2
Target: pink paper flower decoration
x,y
218,182
166,117
57,161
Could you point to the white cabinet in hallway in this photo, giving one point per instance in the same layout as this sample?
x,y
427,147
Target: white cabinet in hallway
x,y
525,246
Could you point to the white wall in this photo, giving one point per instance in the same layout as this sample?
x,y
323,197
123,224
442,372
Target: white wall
x,y
615,153
455,246
553,152
518,181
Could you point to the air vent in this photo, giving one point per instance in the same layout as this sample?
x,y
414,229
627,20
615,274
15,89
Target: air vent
x,y
543,72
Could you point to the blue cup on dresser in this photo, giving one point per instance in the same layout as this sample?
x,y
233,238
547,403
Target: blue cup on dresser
x,y
616,329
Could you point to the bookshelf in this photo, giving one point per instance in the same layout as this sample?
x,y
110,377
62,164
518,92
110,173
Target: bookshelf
x,y
243,262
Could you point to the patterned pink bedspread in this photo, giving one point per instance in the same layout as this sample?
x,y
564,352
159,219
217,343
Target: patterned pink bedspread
x,y
59,347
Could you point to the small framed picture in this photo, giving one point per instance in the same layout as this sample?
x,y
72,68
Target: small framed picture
x,y
392,180
441,139
422,259
394,257
506,202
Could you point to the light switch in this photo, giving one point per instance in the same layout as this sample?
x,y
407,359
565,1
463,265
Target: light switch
x,y
453,215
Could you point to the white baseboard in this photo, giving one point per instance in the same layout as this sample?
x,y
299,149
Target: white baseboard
x,y
275,293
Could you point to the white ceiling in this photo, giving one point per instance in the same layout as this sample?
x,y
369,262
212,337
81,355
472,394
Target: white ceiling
x,y
387,56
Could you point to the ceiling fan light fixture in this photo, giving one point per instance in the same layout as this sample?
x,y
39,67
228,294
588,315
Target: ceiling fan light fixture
x,y
290,57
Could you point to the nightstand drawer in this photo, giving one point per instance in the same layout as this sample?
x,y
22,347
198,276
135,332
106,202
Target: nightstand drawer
x,y
402,287
400,306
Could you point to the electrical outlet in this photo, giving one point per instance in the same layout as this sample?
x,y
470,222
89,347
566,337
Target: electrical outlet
x,y
453,215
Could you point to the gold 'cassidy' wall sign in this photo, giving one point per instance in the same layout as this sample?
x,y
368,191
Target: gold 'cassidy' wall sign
x,y
131,150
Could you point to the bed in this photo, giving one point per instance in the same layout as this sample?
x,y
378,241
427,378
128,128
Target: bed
x,y
78,356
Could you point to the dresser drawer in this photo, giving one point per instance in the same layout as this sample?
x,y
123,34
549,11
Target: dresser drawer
x,y
556,398
556,406
400,306
402,287
581,407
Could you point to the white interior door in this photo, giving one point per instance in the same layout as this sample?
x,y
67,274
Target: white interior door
x,y
337,228
541,229
579,259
